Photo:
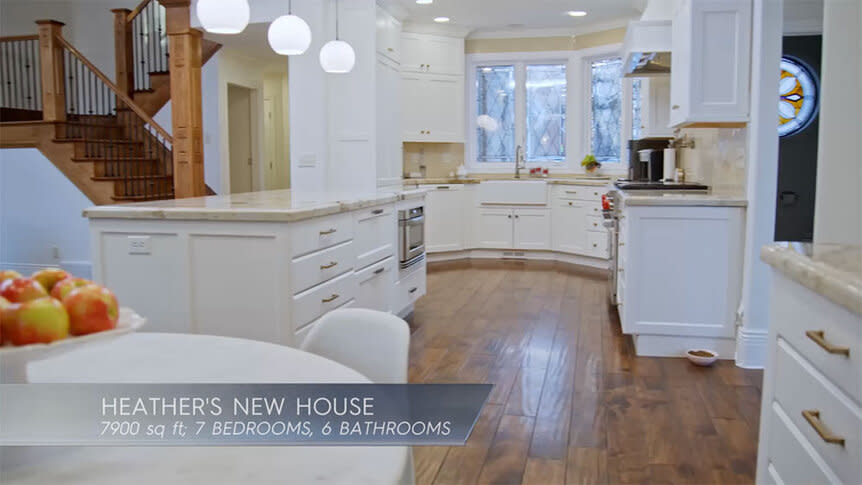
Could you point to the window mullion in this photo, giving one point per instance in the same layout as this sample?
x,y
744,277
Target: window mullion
x,y
521,105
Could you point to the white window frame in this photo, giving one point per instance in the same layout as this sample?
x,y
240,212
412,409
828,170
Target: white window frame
x,y
520,61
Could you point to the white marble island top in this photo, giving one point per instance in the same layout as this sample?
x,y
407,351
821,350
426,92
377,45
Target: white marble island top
x,y
266,206
681,198
831,270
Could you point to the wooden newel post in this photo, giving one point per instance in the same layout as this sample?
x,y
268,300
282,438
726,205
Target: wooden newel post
x,y
123,56
52,70
185,68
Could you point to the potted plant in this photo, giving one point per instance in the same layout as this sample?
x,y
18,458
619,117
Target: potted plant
x,y
590,164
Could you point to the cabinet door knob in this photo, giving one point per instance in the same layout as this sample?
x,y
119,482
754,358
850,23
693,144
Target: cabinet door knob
x,y
390,49
570,203
595,224
509,216
595,245
676,106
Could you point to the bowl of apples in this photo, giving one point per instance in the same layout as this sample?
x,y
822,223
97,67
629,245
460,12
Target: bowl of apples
x,y
53,312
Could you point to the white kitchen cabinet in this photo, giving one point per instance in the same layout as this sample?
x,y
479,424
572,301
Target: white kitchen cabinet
x,y
388,35
495,228
376,286
389,149
568,233
434,54
710,62
433,107
444,218
532,228
655,108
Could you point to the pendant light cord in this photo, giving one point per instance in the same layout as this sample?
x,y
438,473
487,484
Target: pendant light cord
x,y
290,7
336,19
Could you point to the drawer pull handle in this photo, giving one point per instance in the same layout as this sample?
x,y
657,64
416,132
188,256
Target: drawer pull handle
x,y
413,290
380,270
570,203
331,298
595,224
328,231
331,264
595,245
813,418
595,209
571,192
377,212
442,187
819,337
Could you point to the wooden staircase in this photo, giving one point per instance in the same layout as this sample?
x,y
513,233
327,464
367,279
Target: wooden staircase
x,y
99,133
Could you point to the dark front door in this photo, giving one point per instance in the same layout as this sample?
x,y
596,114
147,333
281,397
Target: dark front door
x,y
797,147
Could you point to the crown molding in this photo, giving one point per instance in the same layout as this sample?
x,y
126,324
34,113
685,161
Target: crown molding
x,y
396,10
551,32
449,30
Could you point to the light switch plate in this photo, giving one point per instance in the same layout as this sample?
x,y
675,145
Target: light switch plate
x,y
139,245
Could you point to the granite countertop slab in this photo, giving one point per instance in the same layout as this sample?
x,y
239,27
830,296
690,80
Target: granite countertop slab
x,y
441,181
591,182
833,271
266,206
681,198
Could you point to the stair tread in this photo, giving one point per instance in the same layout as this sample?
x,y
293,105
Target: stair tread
x,y
114,159
98,140
131,177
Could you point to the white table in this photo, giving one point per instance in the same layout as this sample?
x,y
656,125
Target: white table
x,y
171,358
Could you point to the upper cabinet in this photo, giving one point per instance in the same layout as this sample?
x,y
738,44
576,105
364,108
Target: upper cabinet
x,y
655,107
432,88
388,35
433,54
710,62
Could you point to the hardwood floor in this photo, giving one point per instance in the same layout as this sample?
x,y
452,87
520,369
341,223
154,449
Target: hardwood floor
x,y
571,403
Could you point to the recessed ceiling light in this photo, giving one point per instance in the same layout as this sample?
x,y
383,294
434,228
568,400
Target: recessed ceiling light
x,y
576,13
424,2
441,20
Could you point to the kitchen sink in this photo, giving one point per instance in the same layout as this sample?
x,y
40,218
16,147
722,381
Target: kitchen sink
x,y
513,192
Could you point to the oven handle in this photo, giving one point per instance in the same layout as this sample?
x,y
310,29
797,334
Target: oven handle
x,y
413,220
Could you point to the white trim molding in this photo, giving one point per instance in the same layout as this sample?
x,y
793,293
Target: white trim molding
x,y
751,348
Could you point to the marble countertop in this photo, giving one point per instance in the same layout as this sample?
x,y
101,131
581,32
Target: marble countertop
x,y
689,198
591,182
267,206
831,270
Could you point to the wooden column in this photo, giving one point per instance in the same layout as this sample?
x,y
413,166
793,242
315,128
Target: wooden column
x,y
123,54
185,69
52,70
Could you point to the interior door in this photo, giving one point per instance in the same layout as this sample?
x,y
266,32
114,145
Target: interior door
x,y
240,141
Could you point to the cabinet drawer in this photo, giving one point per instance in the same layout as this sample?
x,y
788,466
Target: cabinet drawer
x,y
576,192
791,458
300,334
375,285
799,310
314,234
410,288
315,268
373,235
799,387
314,302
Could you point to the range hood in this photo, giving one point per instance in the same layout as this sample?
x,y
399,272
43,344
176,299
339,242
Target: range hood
x,y
646,48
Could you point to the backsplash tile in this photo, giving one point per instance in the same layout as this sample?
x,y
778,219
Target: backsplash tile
x,y
439,159
717,160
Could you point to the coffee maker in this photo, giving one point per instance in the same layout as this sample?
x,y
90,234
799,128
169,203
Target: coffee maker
x,y
646,159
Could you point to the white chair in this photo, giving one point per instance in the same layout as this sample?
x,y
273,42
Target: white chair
x,y
376,344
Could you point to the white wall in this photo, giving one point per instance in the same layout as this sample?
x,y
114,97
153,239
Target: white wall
x,y
40,209
838,208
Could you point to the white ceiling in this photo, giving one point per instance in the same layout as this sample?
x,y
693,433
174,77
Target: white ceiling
x,y
484,17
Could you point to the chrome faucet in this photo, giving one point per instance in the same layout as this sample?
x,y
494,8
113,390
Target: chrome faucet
x,y
519,161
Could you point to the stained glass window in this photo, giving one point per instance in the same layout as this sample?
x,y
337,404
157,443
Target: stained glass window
x,y
606,101
636,109
495,113
797,102
546,113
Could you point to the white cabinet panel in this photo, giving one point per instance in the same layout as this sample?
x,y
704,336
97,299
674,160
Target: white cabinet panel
x,y
410,288
495,228
445,214
311,304
597,244
532,229
388,35
567,229
317,267
655,108
710,62
374,235
432,54
432,108
389,152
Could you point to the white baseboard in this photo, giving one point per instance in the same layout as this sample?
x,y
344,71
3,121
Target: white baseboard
x,y
519,254
676,346
751,348
81,269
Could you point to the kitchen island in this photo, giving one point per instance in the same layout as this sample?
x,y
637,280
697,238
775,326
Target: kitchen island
x,y
259,265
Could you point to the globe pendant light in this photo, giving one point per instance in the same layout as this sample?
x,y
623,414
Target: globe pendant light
x,y
223,16
289,35
336,56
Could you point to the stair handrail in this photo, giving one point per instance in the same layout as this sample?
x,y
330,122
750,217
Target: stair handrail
x,y
13,38
113,87
134,13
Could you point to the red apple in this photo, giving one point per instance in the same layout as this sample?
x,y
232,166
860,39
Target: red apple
x,y
19,290
9,274
4,303
49,277
91,308
42,320
62,288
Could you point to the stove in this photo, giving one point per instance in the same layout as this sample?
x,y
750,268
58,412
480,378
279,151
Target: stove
x,y
624,184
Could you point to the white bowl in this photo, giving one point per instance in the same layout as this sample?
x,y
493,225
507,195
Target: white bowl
x,y
14,359
702,357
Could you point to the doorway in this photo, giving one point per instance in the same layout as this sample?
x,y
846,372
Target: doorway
x,y
239,101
